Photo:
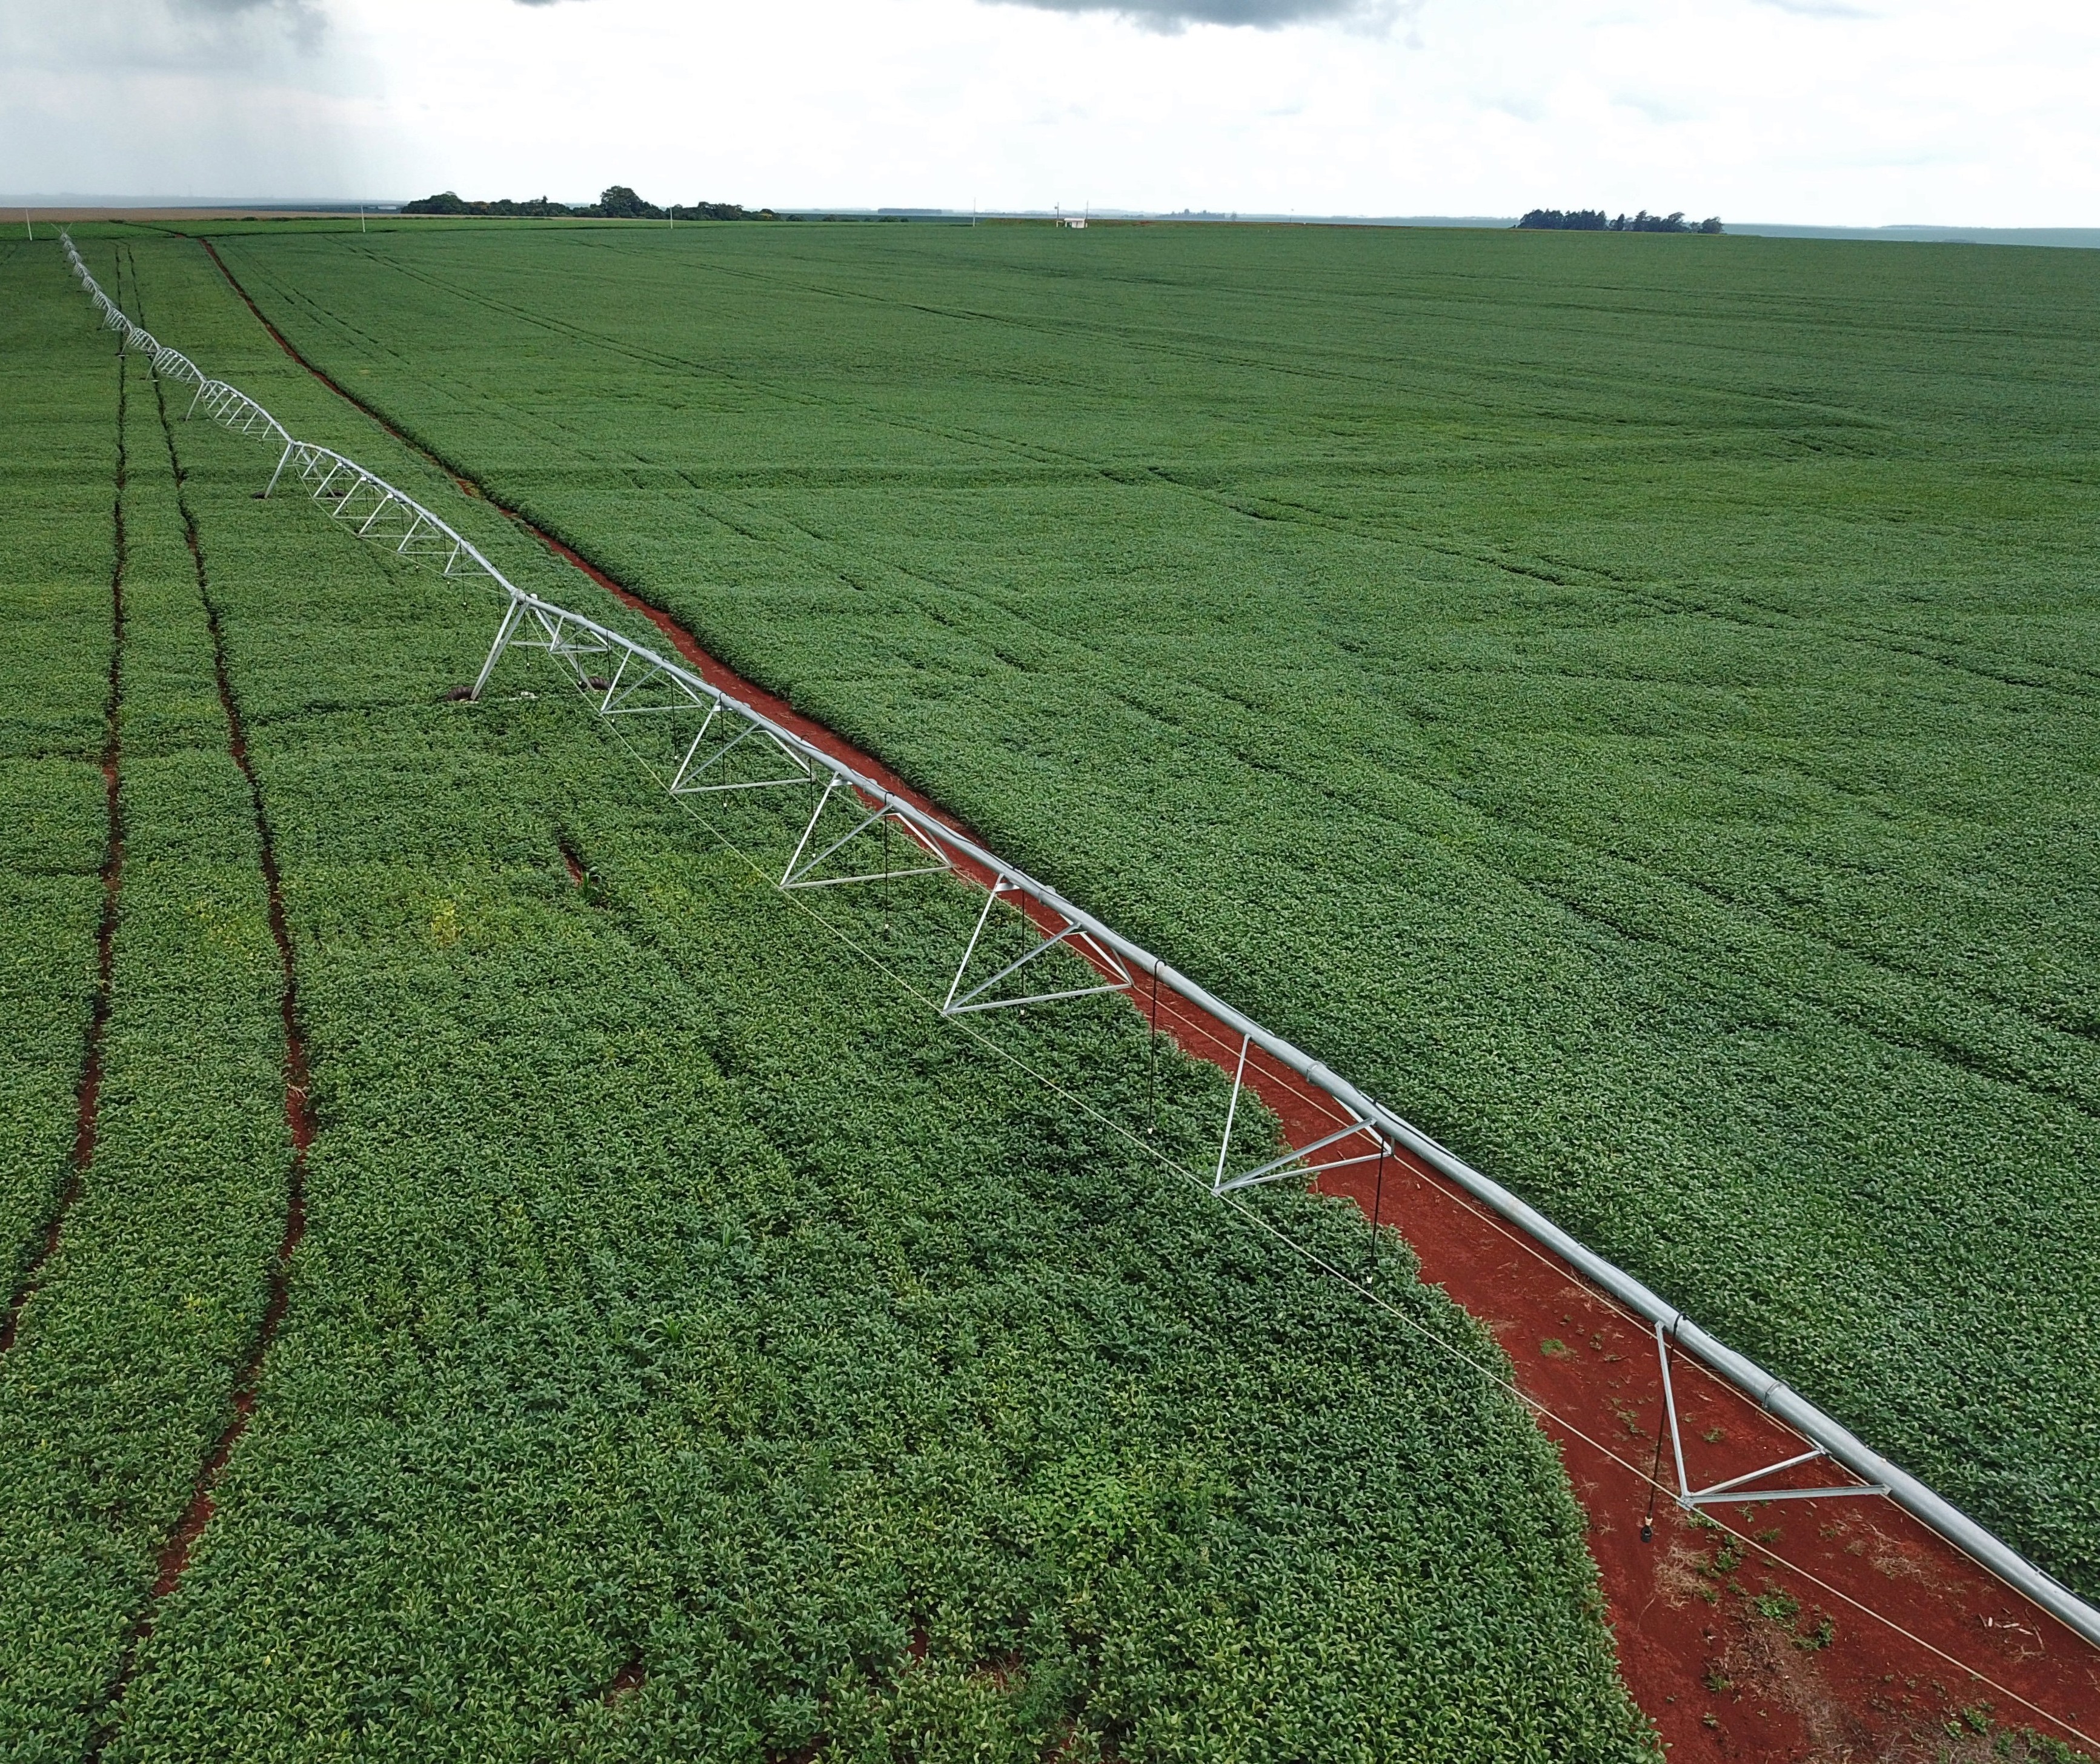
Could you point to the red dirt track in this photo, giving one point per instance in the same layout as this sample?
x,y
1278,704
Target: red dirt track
x,y
1829,1629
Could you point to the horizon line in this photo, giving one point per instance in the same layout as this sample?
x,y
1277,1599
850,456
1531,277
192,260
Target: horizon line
x,y
58,204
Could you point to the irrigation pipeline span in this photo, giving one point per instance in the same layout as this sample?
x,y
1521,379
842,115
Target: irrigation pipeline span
x,y
374,509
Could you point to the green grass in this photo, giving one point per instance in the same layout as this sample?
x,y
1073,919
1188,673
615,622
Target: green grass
x,y
676,1298
1627,701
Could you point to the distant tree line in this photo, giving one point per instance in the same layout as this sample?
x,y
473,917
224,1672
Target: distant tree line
x,y
617,202
1592,220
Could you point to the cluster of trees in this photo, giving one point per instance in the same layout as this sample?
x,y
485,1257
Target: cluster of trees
x,y
617,202
1592,220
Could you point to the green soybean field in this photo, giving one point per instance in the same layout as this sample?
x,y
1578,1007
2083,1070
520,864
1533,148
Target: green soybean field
x,y
530,1291
1627,701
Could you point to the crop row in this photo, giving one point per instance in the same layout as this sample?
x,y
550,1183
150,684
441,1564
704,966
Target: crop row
x,y
55,600
696,1348
1640,725
121,1377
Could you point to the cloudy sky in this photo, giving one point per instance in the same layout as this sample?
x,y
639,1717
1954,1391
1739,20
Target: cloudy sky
x,y
1831,112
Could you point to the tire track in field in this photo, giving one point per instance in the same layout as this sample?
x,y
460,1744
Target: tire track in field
x,y
1327,362
174,1556
88,1092
1992,1057
1746,610
1669,599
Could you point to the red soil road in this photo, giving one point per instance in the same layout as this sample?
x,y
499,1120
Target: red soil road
x,y
1834,1629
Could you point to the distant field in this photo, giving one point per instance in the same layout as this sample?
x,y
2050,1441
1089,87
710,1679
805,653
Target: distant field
x,y
691,1348
1628,701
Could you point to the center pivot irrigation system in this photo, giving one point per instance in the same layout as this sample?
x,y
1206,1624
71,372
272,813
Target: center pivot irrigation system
x,y
624,679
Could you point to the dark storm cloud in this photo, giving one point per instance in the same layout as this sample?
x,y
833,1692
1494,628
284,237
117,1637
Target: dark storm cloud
x,y
302,19
165,35
1258,14
250,25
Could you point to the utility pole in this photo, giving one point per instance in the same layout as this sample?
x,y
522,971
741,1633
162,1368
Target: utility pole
x,y
28,223
360,216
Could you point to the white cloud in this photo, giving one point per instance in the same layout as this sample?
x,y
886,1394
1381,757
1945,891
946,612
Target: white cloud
x,y
175,98
1819,9
85,39
1174,16
1755,109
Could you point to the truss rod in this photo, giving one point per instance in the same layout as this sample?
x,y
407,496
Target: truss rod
x,y
1231,1108
1277,1167
975,1000
1736,1488
1813,1453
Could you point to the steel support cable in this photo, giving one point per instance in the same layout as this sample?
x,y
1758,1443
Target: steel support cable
x,y
1768,1391
1197,1180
